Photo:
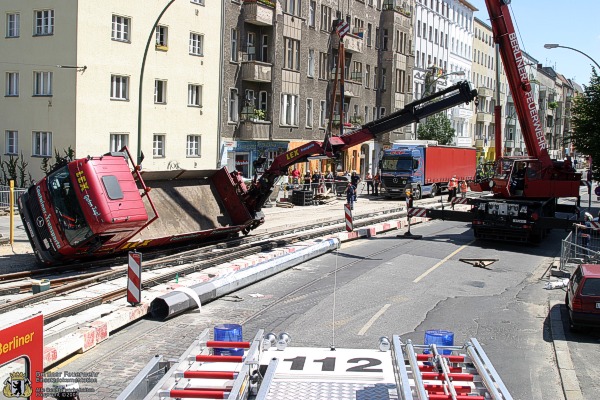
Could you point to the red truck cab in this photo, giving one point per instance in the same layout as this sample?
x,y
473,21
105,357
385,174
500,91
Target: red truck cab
x,y
583,297
83,206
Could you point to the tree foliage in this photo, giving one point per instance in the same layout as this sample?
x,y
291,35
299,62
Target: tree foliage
x,y
437,127
15,169
59,161
585,117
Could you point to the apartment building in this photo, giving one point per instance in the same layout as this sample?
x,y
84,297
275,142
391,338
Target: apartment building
x,y
485,75
280,64
460,27
71,72
443,40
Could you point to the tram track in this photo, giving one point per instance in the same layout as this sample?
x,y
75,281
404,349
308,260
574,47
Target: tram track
x,y
184,263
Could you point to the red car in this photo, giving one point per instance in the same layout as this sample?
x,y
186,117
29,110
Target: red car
x,y
583,297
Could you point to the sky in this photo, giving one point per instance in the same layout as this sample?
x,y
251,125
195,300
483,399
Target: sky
x,y
571,23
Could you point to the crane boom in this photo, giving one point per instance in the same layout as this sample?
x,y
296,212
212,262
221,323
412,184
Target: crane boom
x,y
518,81
260,189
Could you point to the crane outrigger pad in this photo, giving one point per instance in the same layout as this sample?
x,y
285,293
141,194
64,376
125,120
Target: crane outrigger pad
x,y
479,262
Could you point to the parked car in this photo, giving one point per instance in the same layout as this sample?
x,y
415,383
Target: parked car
x,y
583,297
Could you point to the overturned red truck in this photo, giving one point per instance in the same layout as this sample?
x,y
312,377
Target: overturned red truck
x,y
97,206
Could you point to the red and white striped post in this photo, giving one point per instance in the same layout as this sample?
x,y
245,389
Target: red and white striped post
x,y
348,213
134,278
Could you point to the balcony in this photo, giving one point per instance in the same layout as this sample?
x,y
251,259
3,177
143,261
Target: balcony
x,y
485,117
485,92
259,12
353,88
253,129
460,112
352,43
256,71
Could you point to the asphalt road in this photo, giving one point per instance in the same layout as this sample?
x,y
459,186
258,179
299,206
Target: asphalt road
x,y
411,285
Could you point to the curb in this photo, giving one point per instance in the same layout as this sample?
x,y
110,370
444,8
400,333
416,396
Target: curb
x,y
568,377
92,333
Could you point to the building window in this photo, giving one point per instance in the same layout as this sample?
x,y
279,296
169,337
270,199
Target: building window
x,y
366,114
12,84
42,83
311,62
194,95
262,101
292,53
192,147
119,87
292,7
234,45
13,25
160,91
383,79
369,34
289,109
42,144
196,44
311,13
118,141
367,75
325,18
381,112
424,31
323,70
120,28
161,37
384,40
322,113
158,146
233,105
11,142
44,22
309,113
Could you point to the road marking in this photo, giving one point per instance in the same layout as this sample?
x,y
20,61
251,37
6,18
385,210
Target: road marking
x,y
373,319
424,274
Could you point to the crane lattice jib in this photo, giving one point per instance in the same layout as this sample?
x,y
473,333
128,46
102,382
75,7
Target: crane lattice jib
x,y
518,81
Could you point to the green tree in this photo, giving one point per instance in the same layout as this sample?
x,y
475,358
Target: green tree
x,y
437,127
586,123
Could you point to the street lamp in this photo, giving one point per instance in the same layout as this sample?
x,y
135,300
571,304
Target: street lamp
x,y
150,37
554,45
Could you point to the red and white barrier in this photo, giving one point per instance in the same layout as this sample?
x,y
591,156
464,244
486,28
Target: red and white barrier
x,y
348,212
417,212
460,200
134,278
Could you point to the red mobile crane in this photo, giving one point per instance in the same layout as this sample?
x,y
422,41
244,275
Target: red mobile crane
x,y
97,206
525,189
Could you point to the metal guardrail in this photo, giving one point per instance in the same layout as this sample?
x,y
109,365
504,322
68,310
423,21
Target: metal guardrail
x,y
5,195
578,249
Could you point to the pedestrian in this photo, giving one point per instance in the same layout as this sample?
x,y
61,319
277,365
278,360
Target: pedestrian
x,y
307,180
376,182
575,163
452,188
369,179
316,180
295,176
463,189
354,179
583,231
329,179
350,195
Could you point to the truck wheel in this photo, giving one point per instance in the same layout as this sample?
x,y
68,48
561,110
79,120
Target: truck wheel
x,y
417,193
434,190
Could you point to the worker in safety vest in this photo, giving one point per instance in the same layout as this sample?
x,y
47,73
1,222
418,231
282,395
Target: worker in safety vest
x,y
409,198
452,186
463,189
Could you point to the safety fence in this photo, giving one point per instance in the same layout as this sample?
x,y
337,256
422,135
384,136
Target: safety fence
x,y
5,195
582,245
333,187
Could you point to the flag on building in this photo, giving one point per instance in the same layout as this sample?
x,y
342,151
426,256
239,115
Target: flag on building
x,y
342,29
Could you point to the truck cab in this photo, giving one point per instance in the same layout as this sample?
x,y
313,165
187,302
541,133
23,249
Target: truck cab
x,y
81,207
402,167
